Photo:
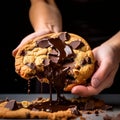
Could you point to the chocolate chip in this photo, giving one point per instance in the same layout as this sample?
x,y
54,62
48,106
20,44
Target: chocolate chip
x,y
54,59
46,62
39,98
96,112
22,53
88,60
12,105
75,110
89,105
43,43
64,36
83,62
68,51
76,44
34,109
54,52
31,65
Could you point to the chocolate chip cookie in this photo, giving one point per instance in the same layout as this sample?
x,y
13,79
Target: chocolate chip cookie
x,y
62,60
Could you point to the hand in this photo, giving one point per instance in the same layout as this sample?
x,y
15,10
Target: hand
x,y
26,39
104,75
45,18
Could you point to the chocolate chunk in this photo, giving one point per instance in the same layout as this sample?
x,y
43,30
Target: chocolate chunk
x,y
69,80
76,44
89,105
83,62
54,52
54,59
75,110
23,53
43,43
64,36
96,112
31,65
12,105
34,109
68,51
46,62
88,60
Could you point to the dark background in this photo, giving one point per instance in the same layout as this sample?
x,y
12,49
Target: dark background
x,y
15,25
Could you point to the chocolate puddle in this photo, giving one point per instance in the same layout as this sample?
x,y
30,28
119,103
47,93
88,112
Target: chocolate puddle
x,y
54,105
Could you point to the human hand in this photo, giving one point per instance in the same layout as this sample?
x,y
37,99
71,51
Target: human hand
x,y
104,75
26,39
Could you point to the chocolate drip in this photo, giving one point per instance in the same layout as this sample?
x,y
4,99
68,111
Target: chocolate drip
x,y
28,86
54,66
56,75
59,62
23,53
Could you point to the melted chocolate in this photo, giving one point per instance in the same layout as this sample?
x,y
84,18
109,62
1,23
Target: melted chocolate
x,y
64,36
12,105
62,49
54,107
54,67
77,44
61,104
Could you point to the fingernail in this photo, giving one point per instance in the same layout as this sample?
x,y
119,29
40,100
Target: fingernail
x,y
95,82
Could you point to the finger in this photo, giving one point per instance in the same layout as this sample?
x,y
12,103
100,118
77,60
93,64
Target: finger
x,y
84,91
101,74
89,90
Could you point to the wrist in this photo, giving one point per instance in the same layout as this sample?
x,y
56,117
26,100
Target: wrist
x,y
114,44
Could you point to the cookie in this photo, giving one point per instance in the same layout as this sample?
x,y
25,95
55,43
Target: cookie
x,y
62,60
42,108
